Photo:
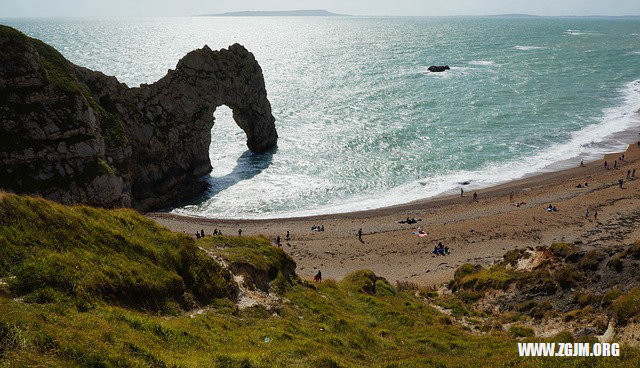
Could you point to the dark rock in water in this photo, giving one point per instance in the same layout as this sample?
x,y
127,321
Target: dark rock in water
x,y
438,68
465,183
78,136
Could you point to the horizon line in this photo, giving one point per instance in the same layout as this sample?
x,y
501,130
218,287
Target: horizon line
x,y
514,15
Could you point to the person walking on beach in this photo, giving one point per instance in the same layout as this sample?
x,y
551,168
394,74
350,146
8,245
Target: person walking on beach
x,y
620,182
278,240
239,232
581,163
461,192
287,237
360,234
475,196
595,215
606,165
586,214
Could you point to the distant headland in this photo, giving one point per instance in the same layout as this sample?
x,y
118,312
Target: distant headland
x,y
288,13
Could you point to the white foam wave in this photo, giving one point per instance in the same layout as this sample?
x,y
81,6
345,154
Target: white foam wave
x,y
527,48
482,62
590,143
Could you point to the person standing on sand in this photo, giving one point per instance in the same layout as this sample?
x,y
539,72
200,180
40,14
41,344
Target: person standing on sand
x,y
278,240
511,197
239,232
461,192
360,234
288,237
586,214
595,215
620,182
581,163
318,277
475,196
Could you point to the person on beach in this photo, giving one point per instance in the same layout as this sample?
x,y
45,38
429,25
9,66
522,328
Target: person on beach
x,y
595,215
615,165
318,277
287,237
582,163
215,231
278,240
620,182
360,234
239,232
461,192
606,165
475,196
586,214
511,197
202,233
197,235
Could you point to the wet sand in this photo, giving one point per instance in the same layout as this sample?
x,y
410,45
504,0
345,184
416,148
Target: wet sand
x,y
476,232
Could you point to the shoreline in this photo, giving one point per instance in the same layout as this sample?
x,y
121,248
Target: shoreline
x,y
477,232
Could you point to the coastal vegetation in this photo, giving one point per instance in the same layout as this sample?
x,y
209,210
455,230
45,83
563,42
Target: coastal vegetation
x,y
86,287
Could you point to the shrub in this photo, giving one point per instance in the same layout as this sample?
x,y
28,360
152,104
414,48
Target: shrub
x,y
563,250
494,277
591,260
610,297
627,306
567,276
634,250
521,331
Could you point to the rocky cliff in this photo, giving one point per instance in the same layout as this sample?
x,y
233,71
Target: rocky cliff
x,y
78,136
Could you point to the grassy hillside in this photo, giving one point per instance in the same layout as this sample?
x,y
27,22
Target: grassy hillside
x,y
82,287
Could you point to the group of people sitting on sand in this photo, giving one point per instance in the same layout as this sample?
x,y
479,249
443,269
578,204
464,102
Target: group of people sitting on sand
x,y
317,228
552,208
410,221
441,250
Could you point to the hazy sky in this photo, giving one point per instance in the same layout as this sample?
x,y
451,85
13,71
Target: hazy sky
x,y
17,8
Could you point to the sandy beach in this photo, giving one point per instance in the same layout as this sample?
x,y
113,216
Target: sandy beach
x,y
476,232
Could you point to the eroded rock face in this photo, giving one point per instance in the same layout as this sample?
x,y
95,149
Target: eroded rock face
x,y
77,136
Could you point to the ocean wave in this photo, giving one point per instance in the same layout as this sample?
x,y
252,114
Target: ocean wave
x,y
577,32
482,62
528,48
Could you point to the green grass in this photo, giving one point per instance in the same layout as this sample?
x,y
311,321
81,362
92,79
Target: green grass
x,y
627,307
81,254
98,288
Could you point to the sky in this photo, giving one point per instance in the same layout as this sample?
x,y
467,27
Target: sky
x,y
61,8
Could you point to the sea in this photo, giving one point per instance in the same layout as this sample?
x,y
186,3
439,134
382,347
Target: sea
x,y
363,124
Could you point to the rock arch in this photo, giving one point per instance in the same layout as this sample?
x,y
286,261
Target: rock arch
x,y
78,136
180,109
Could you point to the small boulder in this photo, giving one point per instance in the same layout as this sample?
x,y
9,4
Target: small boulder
x,y
438,68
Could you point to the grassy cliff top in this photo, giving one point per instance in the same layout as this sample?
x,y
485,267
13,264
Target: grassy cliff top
x,y
83,287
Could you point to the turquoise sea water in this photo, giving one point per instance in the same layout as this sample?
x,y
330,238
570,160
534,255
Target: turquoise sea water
x,y
362,122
